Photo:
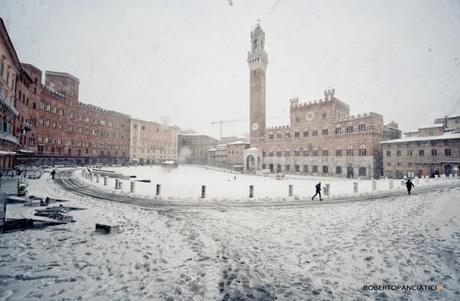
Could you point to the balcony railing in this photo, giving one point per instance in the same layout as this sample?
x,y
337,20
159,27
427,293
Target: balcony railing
x,y
8,104
8,137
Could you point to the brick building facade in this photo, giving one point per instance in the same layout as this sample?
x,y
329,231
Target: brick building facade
x,y
152,142
65,130
193,148
432,150
44,122
10,69
322,138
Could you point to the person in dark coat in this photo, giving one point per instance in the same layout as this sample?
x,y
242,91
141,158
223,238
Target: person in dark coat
x,y
318,191
409,185
53,173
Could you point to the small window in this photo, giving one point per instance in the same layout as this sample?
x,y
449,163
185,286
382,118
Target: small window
x,y
349,151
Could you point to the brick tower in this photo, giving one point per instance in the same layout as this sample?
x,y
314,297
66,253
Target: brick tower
x,y
257,60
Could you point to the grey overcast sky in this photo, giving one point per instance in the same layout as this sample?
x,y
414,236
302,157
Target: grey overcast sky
x,y
185,61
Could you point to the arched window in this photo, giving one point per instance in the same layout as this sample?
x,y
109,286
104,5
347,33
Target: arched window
x,y
362,171
325,169
315,168
305,168
338,170
349,151
362,150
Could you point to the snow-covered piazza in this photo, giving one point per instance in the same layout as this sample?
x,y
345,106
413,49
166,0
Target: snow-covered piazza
x,y
229,150
230,247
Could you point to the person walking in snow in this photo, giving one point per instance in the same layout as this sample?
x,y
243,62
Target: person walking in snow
x,y
53,173
409,185
318,191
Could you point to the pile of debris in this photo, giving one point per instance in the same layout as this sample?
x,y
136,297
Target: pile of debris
x,y
57,213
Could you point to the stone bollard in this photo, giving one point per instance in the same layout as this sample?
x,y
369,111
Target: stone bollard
x,y
291,190
158,190
391,183
327,189
251,191
91,177
106,180
402,183
355,187
97,178
203,191
132,187
450,177
374,185
436,177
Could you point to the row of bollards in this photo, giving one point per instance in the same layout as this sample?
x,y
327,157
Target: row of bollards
x,y
326,187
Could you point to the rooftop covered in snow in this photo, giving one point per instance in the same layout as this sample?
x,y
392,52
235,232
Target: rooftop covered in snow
x,y
445,136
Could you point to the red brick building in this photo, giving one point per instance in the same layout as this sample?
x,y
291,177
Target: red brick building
x,y
322,137
64,130
10,69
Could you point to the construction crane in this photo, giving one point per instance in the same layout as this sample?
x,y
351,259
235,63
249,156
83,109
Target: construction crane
x,y
221,123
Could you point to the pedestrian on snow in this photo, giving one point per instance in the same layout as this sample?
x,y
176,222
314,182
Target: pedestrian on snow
x,y
53,173
409,185
318,191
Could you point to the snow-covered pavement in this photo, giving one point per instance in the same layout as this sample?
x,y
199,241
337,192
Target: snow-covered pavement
x,y
184,184
323,252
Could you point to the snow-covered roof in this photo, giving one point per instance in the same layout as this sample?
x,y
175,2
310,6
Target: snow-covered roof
x,y
192,134
239,142
452,116
431,126
446,136
7,153
169,162
212,150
